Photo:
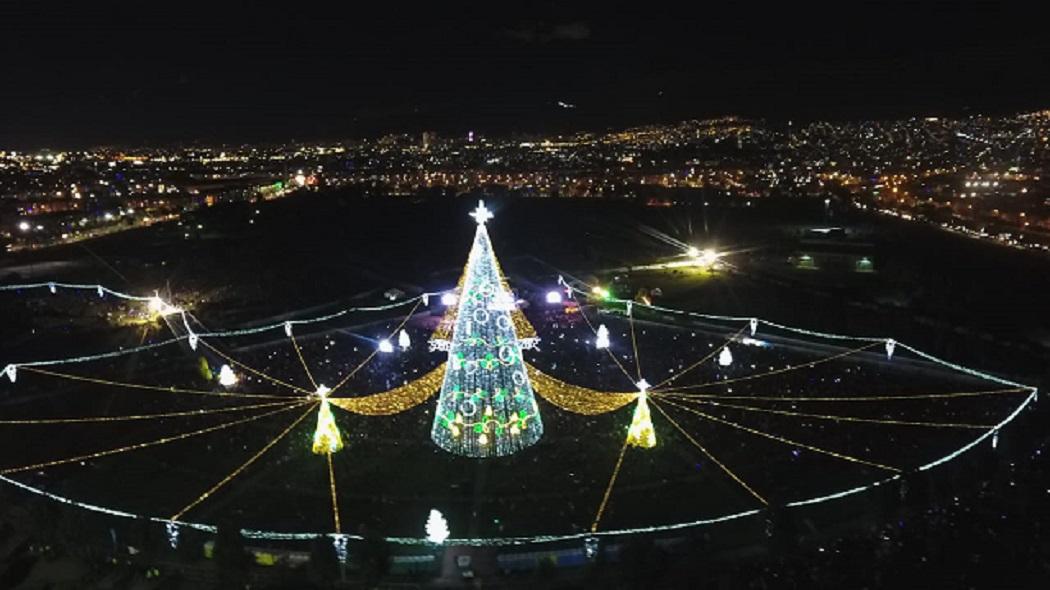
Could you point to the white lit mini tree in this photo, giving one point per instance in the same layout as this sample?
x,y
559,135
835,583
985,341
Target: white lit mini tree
x,y
436,527
486,407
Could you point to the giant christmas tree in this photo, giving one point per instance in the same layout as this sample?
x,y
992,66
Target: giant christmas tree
x,y
486,407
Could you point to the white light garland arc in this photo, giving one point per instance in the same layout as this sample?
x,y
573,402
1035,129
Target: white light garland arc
x,y
501,541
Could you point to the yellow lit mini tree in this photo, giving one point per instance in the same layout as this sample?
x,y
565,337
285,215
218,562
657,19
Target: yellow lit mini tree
x,y
641,433
327,438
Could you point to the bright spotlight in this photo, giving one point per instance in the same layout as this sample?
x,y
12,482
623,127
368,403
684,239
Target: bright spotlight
x,y
707,257
693,252
158,306
385,346
554,297
448,299
24,226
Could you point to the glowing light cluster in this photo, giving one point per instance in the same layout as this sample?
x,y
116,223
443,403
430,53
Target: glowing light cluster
x,y
159,307
227,378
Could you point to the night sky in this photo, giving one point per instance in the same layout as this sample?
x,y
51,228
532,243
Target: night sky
x,y
129,73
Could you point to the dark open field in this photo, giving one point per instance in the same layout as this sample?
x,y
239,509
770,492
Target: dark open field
x,y
984,306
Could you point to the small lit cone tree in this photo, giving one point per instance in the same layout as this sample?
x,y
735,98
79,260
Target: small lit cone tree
x,y
327,438
486,407
641,433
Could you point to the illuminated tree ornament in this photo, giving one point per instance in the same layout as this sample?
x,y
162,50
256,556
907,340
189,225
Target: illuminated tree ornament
x,y
725,358
288,329
590,548
53,288
486,381
385,346
172,531
436,527
630,306
340,543
403,340
891,344
995,439
193,341
12,372
101,293
327,438
426,299
602,341
641,433
754,325
227,378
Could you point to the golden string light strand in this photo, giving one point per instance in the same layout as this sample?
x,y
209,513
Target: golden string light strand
x,y
93,419
335,497
609,488
777,371
162,388
233,474
611,354
708,454
254,371
634,345
299,353
375,351
143,445
857,398
839,418
784,440
701,361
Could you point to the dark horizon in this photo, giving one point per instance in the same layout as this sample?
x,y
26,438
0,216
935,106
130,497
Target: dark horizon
x,y
119,75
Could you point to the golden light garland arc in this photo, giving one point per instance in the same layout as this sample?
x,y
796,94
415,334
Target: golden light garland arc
x,y
396,400
574,398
